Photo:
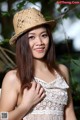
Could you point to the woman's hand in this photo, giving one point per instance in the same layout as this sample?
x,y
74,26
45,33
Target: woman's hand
x,y
32,96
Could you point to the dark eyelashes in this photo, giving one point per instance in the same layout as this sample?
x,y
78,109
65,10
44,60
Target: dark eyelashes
x,y
43,35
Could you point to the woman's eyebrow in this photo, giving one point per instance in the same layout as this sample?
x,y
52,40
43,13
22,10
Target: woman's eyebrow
x,y
40,33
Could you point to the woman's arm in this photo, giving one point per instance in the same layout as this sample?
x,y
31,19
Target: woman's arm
x,y
9,97
69,110
9,94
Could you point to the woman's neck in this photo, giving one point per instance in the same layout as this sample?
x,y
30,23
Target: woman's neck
x,y
40,65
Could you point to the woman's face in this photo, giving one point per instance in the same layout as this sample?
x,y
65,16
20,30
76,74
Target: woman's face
x,y
39,42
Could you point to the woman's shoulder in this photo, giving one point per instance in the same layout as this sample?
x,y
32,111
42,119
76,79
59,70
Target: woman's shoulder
x,y
11,79
10,90
64,69
11,76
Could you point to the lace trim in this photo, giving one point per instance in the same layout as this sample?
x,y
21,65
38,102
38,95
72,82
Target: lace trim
x,y
59,82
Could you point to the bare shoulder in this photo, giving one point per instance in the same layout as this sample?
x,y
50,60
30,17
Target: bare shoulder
x,y
9,91
65,71
63,68
11,79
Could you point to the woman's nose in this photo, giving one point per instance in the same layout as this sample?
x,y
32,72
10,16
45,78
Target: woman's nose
x,y
39,40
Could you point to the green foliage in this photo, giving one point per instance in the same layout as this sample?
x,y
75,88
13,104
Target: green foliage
x,y
74,68
20,5
5,13
75,77
7,56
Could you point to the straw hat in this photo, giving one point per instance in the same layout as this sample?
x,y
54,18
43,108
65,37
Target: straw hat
x,y
27,19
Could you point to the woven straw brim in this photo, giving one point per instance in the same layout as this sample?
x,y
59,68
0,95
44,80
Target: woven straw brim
x,y
51,23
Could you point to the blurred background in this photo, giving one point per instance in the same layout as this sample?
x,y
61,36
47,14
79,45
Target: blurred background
x,y
66,36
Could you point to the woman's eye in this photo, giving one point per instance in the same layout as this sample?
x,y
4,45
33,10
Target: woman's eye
x,y
45,35
31,38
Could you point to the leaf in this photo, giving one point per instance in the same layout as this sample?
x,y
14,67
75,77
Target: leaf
x,y
5,13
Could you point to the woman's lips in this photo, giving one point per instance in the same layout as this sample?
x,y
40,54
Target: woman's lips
x,y
39,49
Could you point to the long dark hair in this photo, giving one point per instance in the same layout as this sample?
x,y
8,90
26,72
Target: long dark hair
x,y
25,62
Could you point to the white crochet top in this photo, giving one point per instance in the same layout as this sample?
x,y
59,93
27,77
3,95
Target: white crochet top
x,y
52,106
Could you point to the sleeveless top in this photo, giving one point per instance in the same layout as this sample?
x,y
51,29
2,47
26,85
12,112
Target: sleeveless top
x,y
52,106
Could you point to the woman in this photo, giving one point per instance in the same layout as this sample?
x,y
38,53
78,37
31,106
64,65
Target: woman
x,y
38,89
